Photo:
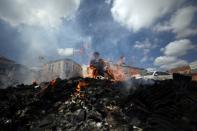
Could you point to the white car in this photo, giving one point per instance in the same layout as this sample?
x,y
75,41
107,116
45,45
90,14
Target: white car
x,y
158,75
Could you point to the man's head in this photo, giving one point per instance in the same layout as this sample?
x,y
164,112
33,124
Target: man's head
x,y
96,54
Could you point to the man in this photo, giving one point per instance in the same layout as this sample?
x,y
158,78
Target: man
x,y
98,64
121,61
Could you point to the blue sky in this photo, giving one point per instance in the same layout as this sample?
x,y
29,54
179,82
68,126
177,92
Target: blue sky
x,y
149,33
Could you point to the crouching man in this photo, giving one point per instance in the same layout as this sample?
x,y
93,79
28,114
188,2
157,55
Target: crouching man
x,y
97,65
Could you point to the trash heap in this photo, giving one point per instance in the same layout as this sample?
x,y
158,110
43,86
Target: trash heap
x,y
100,105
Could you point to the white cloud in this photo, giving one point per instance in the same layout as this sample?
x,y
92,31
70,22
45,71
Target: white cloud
x,y
138,14
172,52
169,62
178,48
151,69
161,60
180,22
65,51
40,26
144,59
146,46
37,12
108,1
194,62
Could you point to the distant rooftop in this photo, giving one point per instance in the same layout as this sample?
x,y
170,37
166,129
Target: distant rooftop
x,y
63,59
133,67
4,59
193,63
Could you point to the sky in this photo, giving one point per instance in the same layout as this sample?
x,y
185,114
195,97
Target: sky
x,y
157,34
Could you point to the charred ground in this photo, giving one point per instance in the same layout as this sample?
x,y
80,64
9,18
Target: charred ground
x,y
100,105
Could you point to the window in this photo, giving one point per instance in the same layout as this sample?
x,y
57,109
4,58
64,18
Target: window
x,y
66,65
59,65
49,67
162,73
52,66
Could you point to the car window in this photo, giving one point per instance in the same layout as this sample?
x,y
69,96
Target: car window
x,y
162,73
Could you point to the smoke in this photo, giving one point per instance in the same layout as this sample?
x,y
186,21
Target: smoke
x,y
49,29
44,27
132,84
37,13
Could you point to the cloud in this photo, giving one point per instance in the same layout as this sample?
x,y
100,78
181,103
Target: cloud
x,y
178,48
151,69
146,46
180,23
144,59
66,51
139,14
172,52
44,26
169,62
108,1
36,12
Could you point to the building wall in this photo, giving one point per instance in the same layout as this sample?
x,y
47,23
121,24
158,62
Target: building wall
x,y
181,70
128,70
194,77
63,69
12,74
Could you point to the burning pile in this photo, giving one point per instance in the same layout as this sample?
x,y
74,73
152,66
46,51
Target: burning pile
x,y
90,104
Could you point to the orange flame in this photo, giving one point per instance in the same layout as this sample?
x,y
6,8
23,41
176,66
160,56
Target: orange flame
x,y
53,83
92,72
34,82
119,74
81,85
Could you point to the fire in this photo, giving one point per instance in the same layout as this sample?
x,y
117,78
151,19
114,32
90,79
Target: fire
x,y
34,82
114,73
53,83
81,84
91,72
118,74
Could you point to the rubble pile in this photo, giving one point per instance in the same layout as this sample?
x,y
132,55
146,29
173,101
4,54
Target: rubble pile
x,y
99,105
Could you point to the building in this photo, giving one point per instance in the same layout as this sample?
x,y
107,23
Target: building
x,y
131,71
193,67
190,69
63,68
126,72
12,73
182,70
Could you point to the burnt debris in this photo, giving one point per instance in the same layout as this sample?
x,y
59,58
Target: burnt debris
x,y
99,105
